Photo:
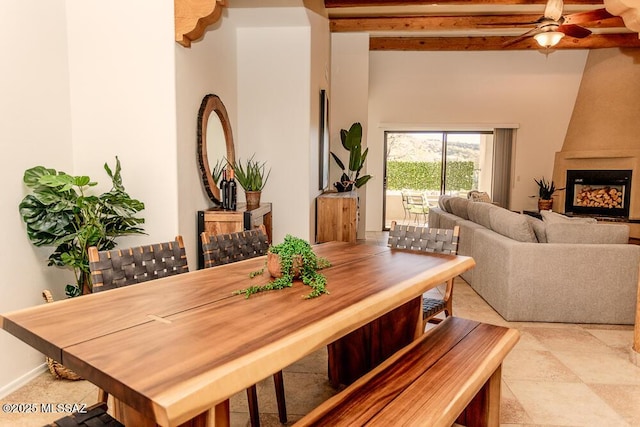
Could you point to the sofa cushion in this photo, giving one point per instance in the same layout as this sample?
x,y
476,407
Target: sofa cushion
x,y
459,207
479,196
512,225
443,203
479,213
571,232
539,228
550,217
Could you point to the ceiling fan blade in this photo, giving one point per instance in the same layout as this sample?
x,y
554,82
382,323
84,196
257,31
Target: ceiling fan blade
x,y
589,16
553,9
530,33
574,31
509,24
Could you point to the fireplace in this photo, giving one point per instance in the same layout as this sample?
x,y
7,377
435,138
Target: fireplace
x,y
603,193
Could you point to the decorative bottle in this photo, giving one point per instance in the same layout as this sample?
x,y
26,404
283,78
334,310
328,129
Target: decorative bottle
x,y
224,190
232,190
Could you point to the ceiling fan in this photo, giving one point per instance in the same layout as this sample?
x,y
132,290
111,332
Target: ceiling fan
x,y
553,26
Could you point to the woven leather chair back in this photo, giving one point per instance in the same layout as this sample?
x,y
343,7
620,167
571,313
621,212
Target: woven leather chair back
x,y
219,249
124,267
425,239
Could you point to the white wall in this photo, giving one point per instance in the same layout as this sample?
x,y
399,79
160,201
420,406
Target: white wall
x,y
122,74
209,66
35,130
535,91
274,113
320,79
349,104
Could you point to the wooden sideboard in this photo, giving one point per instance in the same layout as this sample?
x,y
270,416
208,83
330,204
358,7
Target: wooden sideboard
x,y
336,217
220,221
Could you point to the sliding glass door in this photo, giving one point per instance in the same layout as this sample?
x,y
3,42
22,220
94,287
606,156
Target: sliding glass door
x,y
420,166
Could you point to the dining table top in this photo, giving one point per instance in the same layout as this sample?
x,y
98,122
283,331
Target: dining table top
x,y
175,347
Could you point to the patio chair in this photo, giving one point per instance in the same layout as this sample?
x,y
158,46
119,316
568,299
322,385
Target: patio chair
x,y
437,240
405,205
418,206
219,249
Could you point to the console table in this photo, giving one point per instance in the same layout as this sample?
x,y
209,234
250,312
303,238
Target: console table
x,y
220,221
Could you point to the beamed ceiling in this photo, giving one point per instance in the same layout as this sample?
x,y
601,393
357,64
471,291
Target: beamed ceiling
x,y
468,25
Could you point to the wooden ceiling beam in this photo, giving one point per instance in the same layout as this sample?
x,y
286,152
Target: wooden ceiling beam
x,y
594,41
373,3
440,23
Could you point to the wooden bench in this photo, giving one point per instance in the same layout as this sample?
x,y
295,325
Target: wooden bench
x,y
450,374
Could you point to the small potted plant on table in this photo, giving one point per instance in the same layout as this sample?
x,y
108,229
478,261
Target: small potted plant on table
x,y
291,259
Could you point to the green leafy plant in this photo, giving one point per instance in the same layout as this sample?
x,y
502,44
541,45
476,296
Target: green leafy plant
x,y
352,142
296,258
59,212
546,189
251,175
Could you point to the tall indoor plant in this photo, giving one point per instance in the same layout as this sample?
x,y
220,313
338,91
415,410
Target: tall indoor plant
x,y
60,212
352,142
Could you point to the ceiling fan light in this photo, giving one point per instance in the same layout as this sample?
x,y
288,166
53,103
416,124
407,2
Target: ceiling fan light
x,y
549,39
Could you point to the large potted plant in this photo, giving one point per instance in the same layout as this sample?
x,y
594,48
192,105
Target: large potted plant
x,y
352,142
60,212
252,177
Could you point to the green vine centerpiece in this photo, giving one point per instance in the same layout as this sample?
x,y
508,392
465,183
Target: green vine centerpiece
x,y
290,259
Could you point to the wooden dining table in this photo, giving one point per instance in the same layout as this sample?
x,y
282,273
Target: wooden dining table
x,y
175,349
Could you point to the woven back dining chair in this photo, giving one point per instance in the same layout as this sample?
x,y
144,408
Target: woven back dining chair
x,y
220,249
124,267
436,240
93,416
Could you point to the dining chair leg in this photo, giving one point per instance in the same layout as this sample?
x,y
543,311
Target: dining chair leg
x,y
282,407
103,396
252,398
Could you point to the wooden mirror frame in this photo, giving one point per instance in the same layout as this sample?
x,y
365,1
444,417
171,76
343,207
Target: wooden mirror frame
x,y
212,104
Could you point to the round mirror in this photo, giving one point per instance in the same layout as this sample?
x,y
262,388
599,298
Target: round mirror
x,y
215,142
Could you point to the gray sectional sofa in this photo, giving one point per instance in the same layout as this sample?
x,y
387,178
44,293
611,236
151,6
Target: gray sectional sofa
x,y
552,270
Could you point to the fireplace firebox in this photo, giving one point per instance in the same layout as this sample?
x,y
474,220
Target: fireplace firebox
x,y
604,193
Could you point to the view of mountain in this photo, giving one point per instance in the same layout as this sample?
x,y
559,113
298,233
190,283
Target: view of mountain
x,y
427,146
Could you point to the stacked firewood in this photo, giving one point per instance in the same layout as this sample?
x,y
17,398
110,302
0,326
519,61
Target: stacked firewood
x,y
602,197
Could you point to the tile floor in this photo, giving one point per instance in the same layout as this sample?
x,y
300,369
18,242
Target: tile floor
x,y
557,375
